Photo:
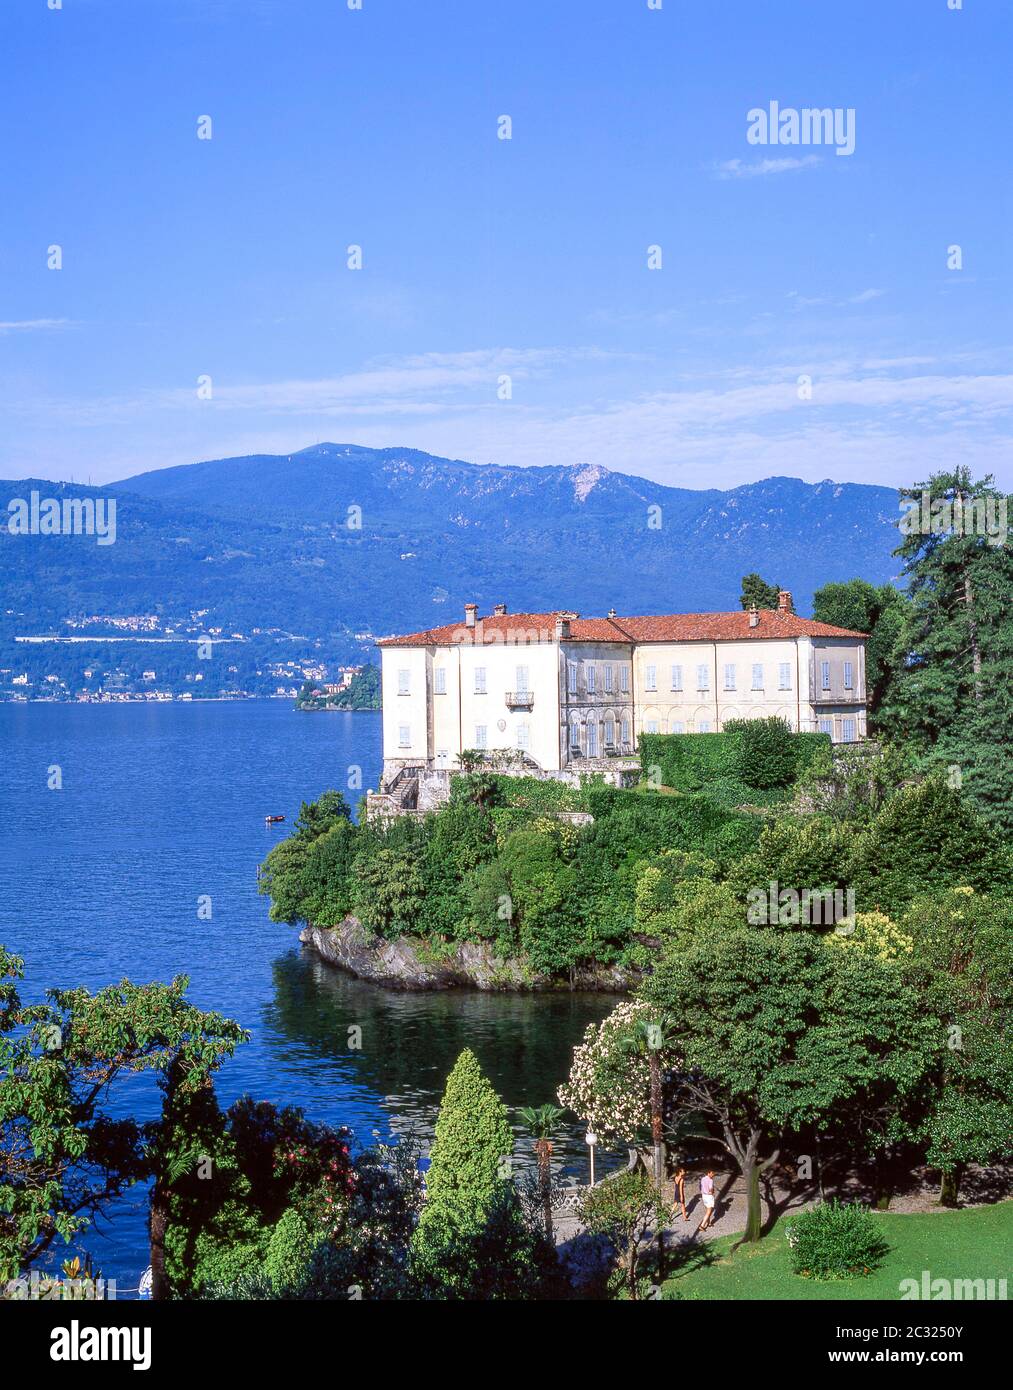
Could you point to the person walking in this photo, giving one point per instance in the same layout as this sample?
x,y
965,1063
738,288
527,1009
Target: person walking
x,y
707,1197
680,1193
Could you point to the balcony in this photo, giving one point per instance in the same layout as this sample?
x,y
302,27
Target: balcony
x,y
519,699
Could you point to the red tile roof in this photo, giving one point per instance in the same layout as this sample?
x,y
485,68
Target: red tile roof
x,y
670,627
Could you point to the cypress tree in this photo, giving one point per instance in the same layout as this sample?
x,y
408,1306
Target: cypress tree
x,y
471,1241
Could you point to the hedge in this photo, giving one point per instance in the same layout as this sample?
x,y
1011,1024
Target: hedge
x,y
755,754
689,761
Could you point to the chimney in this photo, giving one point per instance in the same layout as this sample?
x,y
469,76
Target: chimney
x,y
784,601
754,617
470,609
612,612
563,621
500,610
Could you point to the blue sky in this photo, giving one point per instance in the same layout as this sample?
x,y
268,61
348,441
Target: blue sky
x,y
483,257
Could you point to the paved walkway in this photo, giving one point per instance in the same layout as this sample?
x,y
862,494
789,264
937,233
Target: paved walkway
x,y
729,1220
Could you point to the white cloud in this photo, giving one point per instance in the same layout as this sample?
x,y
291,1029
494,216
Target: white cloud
x,y
34,325
737,169
870,419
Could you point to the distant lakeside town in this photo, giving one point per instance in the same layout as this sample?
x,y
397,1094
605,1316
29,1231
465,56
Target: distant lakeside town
x,y
145,657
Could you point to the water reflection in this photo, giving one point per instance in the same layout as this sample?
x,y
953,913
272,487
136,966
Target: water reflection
x,y
410,1041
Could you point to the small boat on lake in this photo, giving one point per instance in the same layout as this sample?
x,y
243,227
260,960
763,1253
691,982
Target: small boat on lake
x,y
272,820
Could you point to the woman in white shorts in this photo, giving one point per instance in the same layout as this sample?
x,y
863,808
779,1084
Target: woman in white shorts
x,y
707,1197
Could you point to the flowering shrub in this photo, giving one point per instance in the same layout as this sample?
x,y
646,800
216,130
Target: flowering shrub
x,y
609,1087
291,1161
876,933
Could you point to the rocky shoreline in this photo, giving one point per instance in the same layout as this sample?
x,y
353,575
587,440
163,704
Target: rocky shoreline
x,y
407,964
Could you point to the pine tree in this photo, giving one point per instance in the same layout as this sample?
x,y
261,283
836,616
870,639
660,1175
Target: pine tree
x,y
758,591
951,695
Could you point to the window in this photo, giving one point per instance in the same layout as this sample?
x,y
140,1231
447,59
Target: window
x,y
571,676
703,678
848,730
784,676
404,736
479,680
592,738
849,683
574,734
589,678
522,680
440,680
758,676
610,732
522,737
703,726
825,674
624,679
651,678
404,682
608,679
730,676
481,736
651,727
827,727
625,727
676,677
677,726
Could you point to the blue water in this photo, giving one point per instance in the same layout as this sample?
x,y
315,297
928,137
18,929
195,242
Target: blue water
x,y
162,804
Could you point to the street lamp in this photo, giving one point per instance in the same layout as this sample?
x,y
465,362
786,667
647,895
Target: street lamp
x,y
590,1139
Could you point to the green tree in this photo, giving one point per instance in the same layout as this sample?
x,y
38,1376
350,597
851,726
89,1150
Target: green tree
x,y
471,1205
798,854
317,816
388,890
766,751
962,966
543,1123
652,1037
64,1157
624,1209
879,611
543,892
327,875
281,879
201,1215
953,691
926,836
776,1031
758,591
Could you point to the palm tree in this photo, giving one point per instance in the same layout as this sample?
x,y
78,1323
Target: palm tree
x,y
649,1039
542,1122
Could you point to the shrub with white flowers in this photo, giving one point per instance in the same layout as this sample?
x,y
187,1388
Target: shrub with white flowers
x,y
609,1086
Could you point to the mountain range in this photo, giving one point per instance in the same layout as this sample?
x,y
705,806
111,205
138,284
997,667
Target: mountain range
x,y
339,539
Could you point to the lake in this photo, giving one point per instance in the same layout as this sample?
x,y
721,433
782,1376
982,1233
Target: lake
x,y
163,804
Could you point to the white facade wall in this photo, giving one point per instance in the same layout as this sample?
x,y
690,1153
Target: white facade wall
x,y
452,698
405,710
505,665
458,700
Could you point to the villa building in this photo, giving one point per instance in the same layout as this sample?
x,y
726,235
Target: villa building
x,y
564,692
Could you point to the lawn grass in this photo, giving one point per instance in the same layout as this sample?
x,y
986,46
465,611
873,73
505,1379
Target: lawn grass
x,y
972,1244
